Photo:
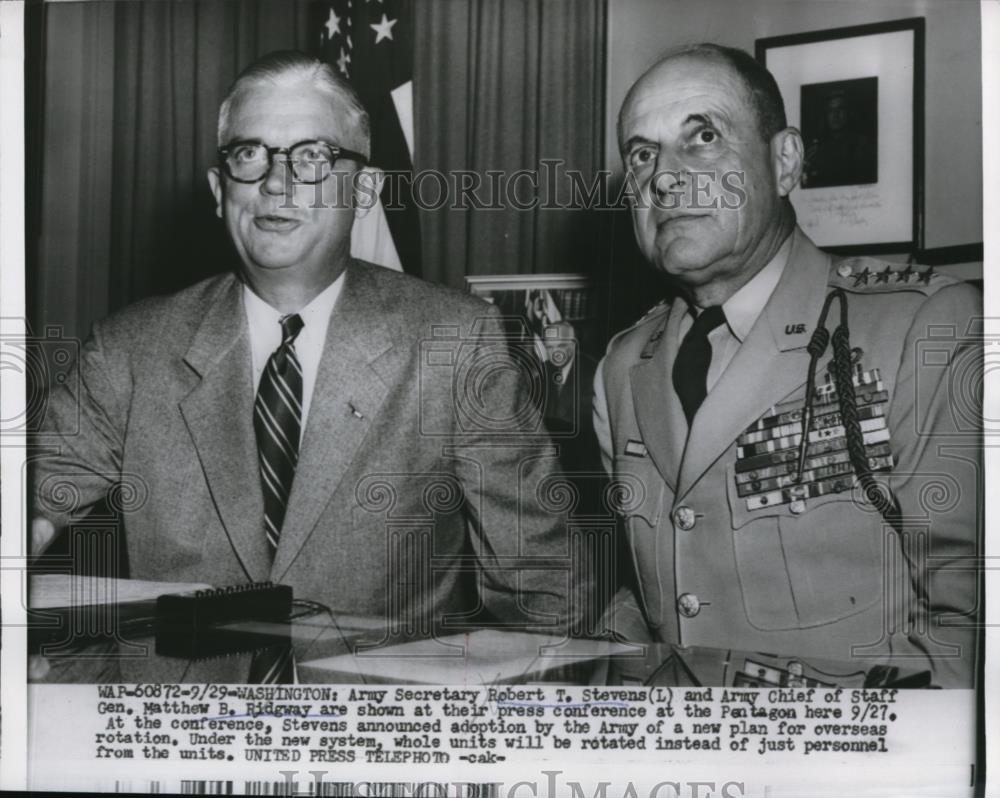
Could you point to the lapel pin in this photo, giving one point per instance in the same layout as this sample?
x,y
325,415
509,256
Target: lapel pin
x,y
635,449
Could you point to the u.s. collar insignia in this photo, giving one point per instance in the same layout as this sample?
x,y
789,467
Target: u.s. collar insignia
x,y
767,452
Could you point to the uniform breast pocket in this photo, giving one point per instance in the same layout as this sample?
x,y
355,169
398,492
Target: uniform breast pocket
x,y
637,493
833,553
806,563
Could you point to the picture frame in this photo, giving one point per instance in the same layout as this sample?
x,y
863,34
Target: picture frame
x,y
558,297
555,324
857,95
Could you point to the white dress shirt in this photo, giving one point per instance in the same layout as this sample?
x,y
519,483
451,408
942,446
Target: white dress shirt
x,y
742,310
264,323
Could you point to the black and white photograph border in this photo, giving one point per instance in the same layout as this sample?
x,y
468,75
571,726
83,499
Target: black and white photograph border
x,y
44,740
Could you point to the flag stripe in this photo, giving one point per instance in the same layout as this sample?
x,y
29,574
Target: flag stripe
x,y
371,44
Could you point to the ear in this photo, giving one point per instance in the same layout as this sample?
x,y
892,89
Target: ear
x,y
787,159
215,183
367,187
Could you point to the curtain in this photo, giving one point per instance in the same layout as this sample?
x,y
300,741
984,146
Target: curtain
x,y
121,133
505,86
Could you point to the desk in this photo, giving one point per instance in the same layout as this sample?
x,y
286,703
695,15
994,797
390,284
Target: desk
x,y
327,654
342,648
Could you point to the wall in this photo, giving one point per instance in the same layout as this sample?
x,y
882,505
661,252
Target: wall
x,y
640,30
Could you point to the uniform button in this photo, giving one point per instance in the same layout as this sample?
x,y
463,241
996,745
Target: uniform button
x,y
797,507
684,517
845,270
688,604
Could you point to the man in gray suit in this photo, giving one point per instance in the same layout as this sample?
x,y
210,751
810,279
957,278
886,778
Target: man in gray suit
x,y
313,420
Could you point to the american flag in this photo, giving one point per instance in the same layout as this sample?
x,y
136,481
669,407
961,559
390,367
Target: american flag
x,y
371,43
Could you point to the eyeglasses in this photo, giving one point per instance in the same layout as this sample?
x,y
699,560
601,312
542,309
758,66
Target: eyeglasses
x,y
311,161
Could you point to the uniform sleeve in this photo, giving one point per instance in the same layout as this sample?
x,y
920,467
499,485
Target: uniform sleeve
x,y
937,438
517,500
78,450
623,619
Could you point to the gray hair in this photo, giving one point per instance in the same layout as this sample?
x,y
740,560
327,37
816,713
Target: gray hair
x,y
286,67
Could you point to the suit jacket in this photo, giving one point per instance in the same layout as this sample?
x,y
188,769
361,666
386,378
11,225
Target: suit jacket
x,y
824,576
414,495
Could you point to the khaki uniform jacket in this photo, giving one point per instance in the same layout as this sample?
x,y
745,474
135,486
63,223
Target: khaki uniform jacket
x,y
825,576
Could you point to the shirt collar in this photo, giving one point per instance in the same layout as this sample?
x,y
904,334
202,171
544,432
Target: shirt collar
x,y
744,307
262,316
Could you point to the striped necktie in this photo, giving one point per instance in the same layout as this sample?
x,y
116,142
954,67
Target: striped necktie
x,y
277,420
273,665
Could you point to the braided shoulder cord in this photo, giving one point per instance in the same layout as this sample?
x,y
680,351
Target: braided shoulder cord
x,y
817,346
847,400
848,405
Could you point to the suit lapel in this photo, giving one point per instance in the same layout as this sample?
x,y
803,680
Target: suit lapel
x,y
658,410
218,413
768,366
350,388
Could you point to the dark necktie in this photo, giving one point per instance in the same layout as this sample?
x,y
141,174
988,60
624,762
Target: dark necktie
x,y
277,420
693,358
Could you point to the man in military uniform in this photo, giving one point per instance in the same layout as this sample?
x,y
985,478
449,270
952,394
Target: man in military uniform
x,y
857,545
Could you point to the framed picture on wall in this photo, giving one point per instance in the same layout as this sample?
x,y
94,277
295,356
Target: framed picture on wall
x,y
545,301
556,323
857,96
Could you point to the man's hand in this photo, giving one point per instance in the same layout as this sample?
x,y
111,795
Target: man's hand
x,y
42,533
38,667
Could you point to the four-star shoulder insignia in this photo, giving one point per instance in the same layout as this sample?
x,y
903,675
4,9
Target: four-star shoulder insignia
x,y
658,307
870,275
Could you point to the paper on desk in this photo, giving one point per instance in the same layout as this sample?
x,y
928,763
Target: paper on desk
x,y
57,591
483,657
313,627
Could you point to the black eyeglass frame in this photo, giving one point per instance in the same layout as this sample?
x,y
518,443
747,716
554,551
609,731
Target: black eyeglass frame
x,y
338,153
